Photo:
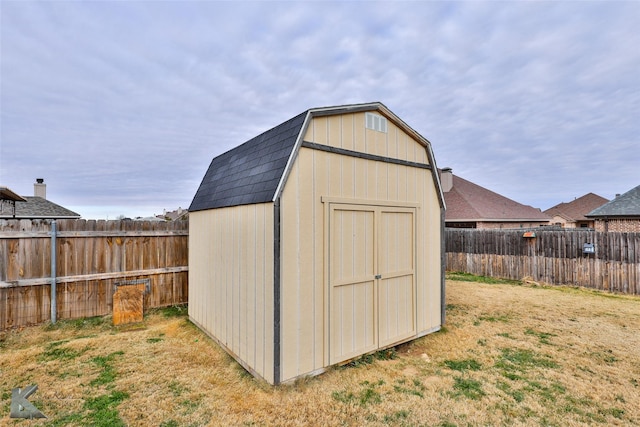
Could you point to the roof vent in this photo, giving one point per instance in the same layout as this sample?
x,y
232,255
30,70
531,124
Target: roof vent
x,y
376,122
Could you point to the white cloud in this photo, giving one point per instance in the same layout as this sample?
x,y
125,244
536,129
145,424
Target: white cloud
x,y
533,100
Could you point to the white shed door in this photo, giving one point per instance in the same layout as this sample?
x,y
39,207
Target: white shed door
x,y
371,278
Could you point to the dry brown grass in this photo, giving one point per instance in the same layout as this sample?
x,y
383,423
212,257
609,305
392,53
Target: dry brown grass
x,y
509,355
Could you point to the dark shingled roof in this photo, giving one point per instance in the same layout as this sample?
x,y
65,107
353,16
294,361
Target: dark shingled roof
x,y
626,205
37,207
249,173
252,172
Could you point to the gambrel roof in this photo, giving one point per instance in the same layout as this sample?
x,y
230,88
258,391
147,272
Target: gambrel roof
x,y
255,171
626,205
249,173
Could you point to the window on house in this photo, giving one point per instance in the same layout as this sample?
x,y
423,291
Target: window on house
x,y
376,122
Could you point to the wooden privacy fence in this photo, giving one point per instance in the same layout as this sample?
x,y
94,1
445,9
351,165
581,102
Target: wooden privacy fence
x,y
552,256
93,258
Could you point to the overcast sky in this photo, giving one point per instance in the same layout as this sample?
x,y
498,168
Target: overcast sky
x,y
121,105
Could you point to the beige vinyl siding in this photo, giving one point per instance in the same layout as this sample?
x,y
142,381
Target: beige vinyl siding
x,y
348,131
305,340
231,281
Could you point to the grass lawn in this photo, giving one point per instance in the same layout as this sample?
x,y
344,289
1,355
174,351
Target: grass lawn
x,y
508,355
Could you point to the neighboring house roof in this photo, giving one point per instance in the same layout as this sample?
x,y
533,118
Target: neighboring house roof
x,y
577,209
175,215
255,171
7,194
469,202
39,208
626,205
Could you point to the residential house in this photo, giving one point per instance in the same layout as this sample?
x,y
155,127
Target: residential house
x,y
32,207
175,215
472,206
572,214
621,214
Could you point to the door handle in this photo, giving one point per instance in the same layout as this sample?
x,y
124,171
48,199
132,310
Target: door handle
x,y
378,276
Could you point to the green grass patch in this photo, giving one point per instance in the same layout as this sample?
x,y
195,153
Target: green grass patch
x,y
343,396
396,417
108,373
463,365
154,340
103,412
467,387
614,412
548,394
55,351
101,322
176,388
517,395
368,359
521,360
468,277
504,318
506,335
174,311
100,411
415,389
369,394
543,337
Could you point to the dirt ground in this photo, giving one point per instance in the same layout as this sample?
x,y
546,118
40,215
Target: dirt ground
x,y
509,355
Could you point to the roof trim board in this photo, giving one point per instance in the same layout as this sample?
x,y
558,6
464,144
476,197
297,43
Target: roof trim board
x,y
7,194
360,155
292,157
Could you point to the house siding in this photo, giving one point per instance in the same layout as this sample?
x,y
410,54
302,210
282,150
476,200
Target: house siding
x,y
231,281
319,174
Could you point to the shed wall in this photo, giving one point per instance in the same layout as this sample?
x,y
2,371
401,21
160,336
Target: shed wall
x,y
231,255
317,174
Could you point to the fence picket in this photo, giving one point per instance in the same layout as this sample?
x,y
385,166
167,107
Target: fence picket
x,y
553,256
92,256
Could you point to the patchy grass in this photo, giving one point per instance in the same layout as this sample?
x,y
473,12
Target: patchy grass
x,y
467,387
510,354
468,277
463,365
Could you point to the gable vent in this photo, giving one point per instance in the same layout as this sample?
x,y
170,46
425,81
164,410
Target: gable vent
x,y
376,122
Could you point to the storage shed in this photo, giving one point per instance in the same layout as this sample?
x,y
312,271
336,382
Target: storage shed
x,y
318,241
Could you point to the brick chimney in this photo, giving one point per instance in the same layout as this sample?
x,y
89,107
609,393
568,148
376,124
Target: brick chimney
x,y
40,188
446,178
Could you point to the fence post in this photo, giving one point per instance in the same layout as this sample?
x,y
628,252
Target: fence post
x,y
53,272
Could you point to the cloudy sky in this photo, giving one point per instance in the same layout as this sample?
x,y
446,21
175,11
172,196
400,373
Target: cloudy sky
x,y
121,105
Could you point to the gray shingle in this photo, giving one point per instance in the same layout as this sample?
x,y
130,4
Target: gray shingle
x,y
37,207
625,205
249,173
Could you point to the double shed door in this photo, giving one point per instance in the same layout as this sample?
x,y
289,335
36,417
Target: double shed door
x,y
372,295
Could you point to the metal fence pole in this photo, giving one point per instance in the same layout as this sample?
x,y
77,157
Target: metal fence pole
x,y
53,272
